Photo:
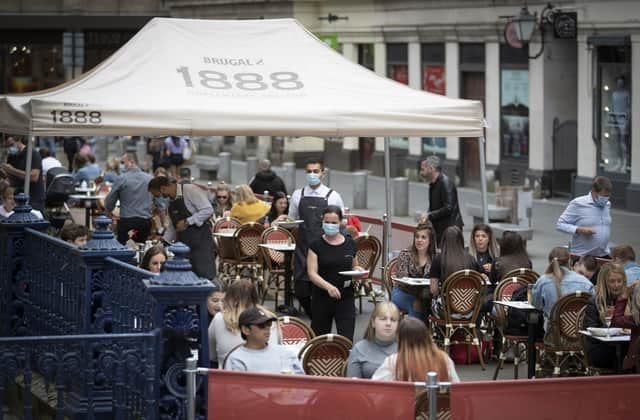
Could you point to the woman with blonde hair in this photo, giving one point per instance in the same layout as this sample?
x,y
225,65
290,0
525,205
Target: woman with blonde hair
x,y
417,355
599,312
626,314
379,342
224,331
222,202
247,207
558,280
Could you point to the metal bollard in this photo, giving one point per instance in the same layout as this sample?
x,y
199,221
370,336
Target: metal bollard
x,y
252,167
190,374
432,389
360,190
327,177
289,176
224,167
400,188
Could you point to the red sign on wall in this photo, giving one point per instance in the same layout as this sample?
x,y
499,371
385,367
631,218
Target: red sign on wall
x,y
433,79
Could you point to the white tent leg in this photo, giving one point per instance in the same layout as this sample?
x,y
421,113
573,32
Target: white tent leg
x,y
483,180
387,187
27,169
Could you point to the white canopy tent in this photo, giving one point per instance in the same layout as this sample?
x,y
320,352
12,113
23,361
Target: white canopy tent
x,y
226,77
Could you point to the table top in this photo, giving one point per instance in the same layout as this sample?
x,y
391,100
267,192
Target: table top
x,y
87,197
224,234
412,281
280,247
621,338
515,304
84,189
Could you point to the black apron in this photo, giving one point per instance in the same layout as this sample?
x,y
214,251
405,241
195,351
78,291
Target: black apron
x,y
310,210
198,239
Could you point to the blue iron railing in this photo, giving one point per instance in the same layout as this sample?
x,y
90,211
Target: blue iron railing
x,y
122,367
53,288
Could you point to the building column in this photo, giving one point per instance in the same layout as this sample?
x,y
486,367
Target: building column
x,y
540,158
452,75
633,189
586,148
350,51
492,103
415,81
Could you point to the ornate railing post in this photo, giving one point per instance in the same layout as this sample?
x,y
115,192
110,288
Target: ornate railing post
x,y
94,253
12,233
181,311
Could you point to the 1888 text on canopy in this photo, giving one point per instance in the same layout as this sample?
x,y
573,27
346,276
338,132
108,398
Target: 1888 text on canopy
x,y
249,81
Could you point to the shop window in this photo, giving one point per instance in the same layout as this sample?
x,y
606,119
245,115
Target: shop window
x,y
28,66
514,102
434,81
398,62
612,113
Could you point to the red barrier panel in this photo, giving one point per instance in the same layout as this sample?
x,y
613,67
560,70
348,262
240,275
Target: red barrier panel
x,y
592,398
241,395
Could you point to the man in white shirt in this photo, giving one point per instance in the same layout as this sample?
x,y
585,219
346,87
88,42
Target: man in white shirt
x,y
48,162
307,204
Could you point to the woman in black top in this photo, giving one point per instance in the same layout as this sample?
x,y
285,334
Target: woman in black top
x,y
332,296
512,255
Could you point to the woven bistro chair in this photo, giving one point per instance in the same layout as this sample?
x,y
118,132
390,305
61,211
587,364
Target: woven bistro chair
x,y
388,274
422,405
225,247
504,291
326,355
368,251
247,253
295,331
525,274
562,348
461,298
274,260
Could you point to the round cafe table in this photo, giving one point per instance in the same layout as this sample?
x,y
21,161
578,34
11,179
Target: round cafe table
x,y
89,202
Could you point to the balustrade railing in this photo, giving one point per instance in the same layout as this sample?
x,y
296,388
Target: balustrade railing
x,y
43,374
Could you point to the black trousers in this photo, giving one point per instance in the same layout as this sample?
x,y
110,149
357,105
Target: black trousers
x,y
327,309
143,226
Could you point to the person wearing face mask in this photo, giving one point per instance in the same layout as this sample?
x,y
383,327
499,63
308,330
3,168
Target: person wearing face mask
x,y
135,201
308,204
588,219
189,212
15,169
332,296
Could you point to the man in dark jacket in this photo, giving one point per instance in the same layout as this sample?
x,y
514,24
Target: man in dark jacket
x,y
443,197
266,180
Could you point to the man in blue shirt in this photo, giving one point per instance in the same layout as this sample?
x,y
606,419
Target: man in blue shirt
x,y
625,256
588,219
135,201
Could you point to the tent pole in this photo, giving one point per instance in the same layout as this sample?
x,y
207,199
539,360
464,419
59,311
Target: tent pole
x,y
387,187
27,169
483,180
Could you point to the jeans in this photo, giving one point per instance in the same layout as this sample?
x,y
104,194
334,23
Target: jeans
x,y
404,301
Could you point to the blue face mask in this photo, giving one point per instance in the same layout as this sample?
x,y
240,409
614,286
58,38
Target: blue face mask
x,y
122,167
313,179
12,150
161,202
330,229
601,200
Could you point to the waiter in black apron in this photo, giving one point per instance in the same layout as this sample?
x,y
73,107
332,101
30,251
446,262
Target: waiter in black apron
x,y
307,204
189,212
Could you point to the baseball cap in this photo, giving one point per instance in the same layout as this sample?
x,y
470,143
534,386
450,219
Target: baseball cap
x,y
254,316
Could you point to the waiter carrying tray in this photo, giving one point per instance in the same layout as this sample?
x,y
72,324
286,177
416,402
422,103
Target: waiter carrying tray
x,y
307,204
189,213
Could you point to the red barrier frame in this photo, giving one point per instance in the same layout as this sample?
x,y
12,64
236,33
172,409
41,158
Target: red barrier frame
x,y
590,398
